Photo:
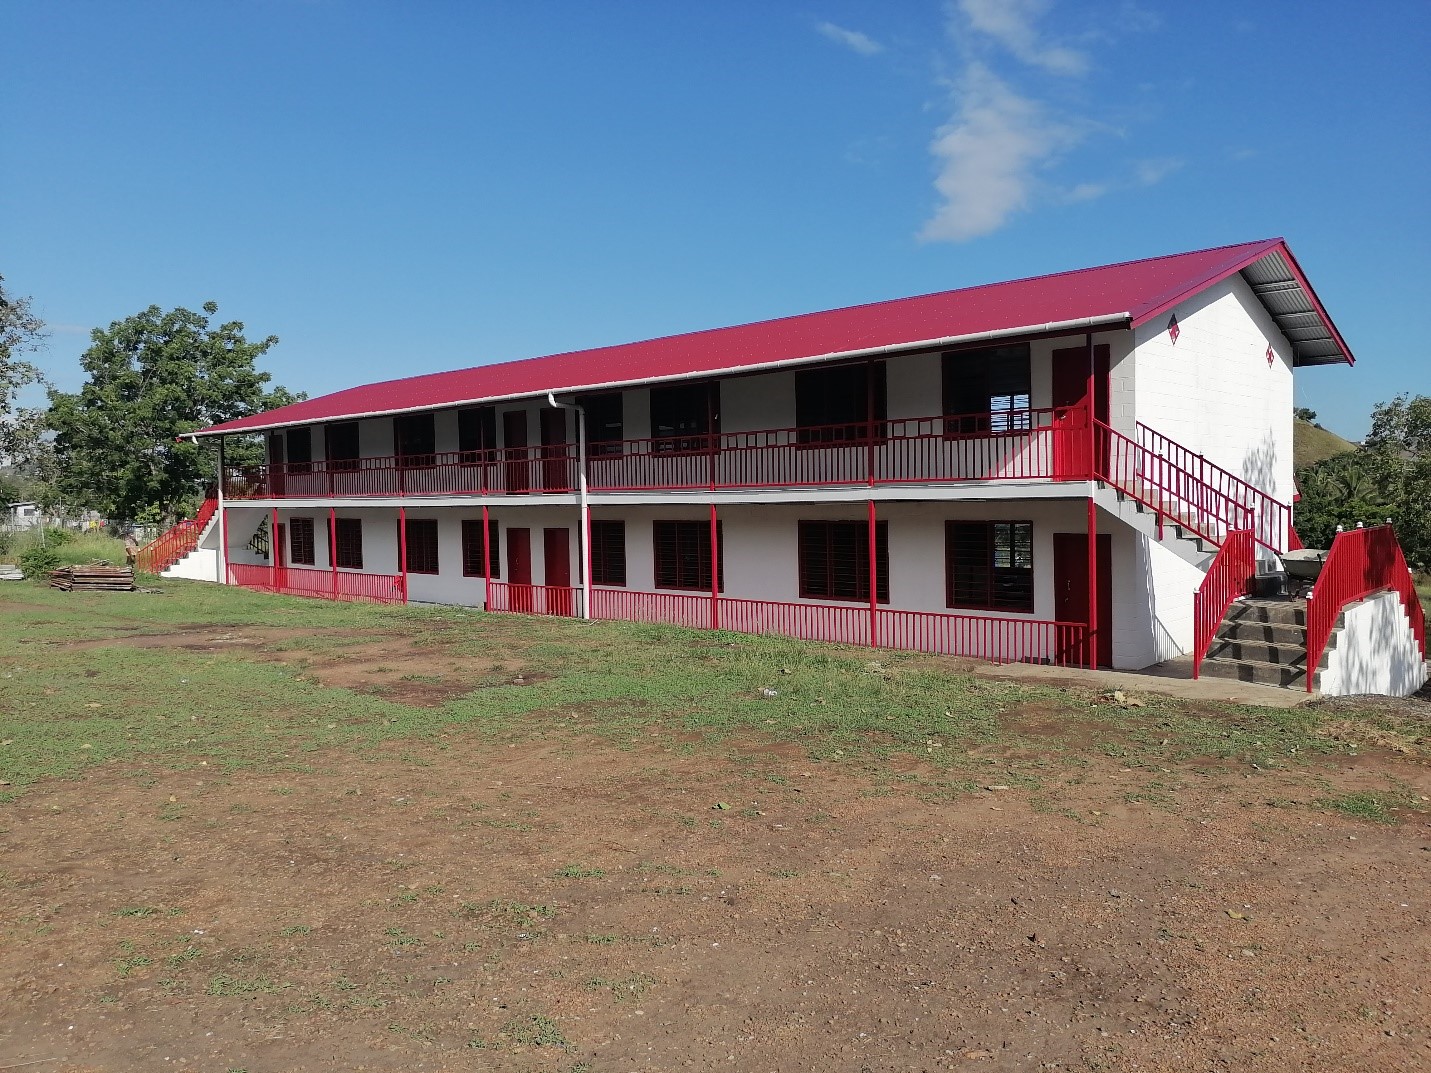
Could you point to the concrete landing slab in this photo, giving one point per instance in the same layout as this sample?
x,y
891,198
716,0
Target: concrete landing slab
x,y
1172,678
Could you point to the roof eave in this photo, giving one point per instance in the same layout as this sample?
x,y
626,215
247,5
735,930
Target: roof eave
x,y
1263,249
1103,322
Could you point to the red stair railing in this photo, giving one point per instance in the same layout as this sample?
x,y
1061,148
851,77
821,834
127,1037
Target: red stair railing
x,y
1227,578
1360,563
1174,494
1273,517
178,541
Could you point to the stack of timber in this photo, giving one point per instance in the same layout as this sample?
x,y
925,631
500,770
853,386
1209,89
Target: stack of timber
x,y
93,577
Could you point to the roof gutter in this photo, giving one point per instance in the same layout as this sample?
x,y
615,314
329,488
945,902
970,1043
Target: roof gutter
x,y
1056,327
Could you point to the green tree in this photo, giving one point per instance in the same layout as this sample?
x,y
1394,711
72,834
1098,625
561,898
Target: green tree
x,y
1302,413
1399,452
21,331
1341,490
1389,476
153,377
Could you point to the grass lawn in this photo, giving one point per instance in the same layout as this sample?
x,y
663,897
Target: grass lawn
x,y
75,655
248,832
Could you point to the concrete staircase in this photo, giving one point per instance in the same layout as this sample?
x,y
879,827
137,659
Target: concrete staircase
x,y
1177,536
1263,641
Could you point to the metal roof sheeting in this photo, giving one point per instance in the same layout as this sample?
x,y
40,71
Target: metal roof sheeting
x,y
1127,294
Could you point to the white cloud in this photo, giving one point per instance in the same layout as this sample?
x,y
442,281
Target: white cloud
x,y
851,39
1012,24
1148,172
1085,192
988,154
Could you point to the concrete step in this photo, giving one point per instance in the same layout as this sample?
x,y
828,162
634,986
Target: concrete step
x,y
1272,652
1282,633
1285,611
1266,674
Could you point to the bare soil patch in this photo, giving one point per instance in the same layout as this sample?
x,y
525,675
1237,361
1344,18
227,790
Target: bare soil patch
x,y
572,906
421,671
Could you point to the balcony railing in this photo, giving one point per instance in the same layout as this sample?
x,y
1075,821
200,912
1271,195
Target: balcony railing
x,y
324,584
1042,444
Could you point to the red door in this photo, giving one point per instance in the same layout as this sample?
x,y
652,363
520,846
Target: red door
x,y
1070,593
519,569
514,442
554,452
1070,401
556,562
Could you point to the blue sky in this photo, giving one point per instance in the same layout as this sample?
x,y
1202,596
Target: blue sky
x,y
405,187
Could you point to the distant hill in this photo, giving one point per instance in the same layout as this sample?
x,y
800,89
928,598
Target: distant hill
x,y
1312,444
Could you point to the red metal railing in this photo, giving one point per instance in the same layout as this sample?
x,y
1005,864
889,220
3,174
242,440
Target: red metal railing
x,y
847,624
1015,445
1361,562
1207,482
667,608
325,584
1175,494
999,640
178,541
562,600
1227,578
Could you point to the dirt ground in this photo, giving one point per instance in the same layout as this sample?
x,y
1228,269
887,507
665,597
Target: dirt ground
x,y
568,905
587,908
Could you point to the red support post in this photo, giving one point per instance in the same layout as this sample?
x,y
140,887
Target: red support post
x,y
715,571
1092,584
402,548
1092,409
874,580
486,560
869,423
711,441
223,519
333,547
273,548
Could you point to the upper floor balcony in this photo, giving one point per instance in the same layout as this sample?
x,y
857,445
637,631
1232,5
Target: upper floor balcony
x,y
1048,444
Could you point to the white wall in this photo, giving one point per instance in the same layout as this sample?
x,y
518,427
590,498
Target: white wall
x,y
1154,620
1213,391
448,586
1375,652
1152,588
201,564
762,559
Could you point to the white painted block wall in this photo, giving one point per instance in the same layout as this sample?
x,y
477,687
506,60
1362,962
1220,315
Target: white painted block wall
x,y
1375,652
1213,391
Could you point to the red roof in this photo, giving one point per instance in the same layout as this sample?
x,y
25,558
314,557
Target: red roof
x,y
1121,295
